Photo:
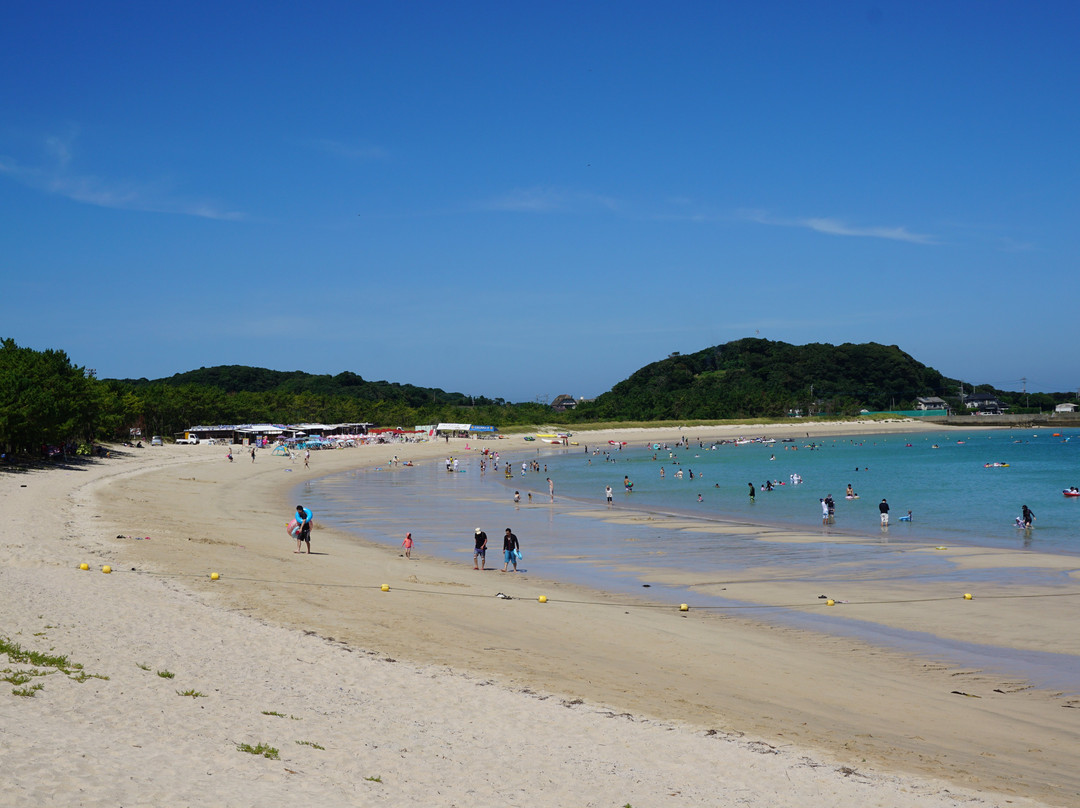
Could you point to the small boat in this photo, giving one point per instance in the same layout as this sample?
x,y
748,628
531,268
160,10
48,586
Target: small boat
x,y
617,442
529,437
1071,492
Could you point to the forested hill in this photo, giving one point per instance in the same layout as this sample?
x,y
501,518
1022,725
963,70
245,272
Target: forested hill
x,y
758,377
244,379
44,399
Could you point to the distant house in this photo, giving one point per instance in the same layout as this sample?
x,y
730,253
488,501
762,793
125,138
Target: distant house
x,y
930,403
563,402
1068,406
984,403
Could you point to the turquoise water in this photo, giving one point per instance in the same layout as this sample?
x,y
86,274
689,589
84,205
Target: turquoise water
x,y
952,495
955,501
662,527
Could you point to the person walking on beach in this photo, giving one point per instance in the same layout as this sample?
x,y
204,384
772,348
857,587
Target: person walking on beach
x,y
824,512
752,491
883,507
510,550
407,544
252,454
551,488
607,493
479,558
303,536
1027,516
517,498
307,457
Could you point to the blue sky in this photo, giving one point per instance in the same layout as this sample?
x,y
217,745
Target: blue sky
x,y
525,199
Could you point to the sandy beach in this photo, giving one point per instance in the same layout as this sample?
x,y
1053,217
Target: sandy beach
x,y
436,692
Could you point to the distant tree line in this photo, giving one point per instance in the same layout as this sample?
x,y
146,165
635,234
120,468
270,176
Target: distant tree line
x,y
45,399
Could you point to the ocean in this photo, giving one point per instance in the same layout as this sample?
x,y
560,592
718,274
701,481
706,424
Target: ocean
x,y
661,533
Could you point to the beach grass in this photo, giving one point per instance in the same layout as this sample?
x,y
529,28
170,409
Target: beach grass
x,y
312,744
83,676
195,694
17,654
276,714
263,749
41,663
18,677
166,674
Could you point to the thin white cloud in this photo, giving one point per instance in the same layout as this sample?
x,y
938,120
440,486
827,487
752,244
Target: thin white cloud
x,y
535,200
55,177
1006,244
544,200
60,149
837,227
349,151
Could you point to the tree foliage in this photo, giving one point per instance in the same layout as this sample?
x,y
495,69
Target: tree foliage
x,y
757,377
43,398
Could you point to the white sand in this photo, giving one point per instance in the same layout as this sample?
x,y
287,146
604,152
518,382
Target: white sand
x,y
542,705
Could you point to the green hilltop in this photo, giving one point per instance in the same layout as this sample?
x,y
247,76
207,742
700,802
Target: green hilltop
x,y
245,379
44,399
758,377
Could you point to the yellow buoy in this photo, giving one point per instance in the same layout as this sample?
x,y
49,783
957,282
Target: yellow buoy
x,y
84,566
385,587
967,596
214,576
684,607
106,569
542,598
830,602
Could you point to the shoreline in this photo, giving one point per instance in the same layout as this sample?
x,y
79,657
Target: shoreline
x,y
786,592
811,693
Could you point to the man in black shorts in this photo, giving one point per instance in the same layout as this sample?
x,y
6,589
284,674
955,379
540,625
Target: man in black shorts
x,y
479,558
303,516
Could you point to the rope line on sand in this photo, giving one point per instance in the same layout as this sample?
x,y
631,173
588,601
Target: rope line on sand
x,y
618,604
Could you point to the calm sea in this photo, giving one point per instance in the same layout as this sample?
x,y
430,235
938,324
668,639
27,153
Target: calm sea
x,y
942,478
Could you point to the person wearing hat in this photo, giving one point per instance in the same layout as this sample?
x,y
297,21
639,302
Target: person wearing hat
x,y
479,558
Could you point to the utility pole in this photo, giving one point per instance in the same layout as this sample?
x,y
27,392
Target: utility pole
x,y
1026,399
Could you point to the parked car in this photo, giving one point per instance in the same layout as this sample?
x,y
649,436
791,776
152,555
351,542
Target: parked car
x,y
156,441
192,440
